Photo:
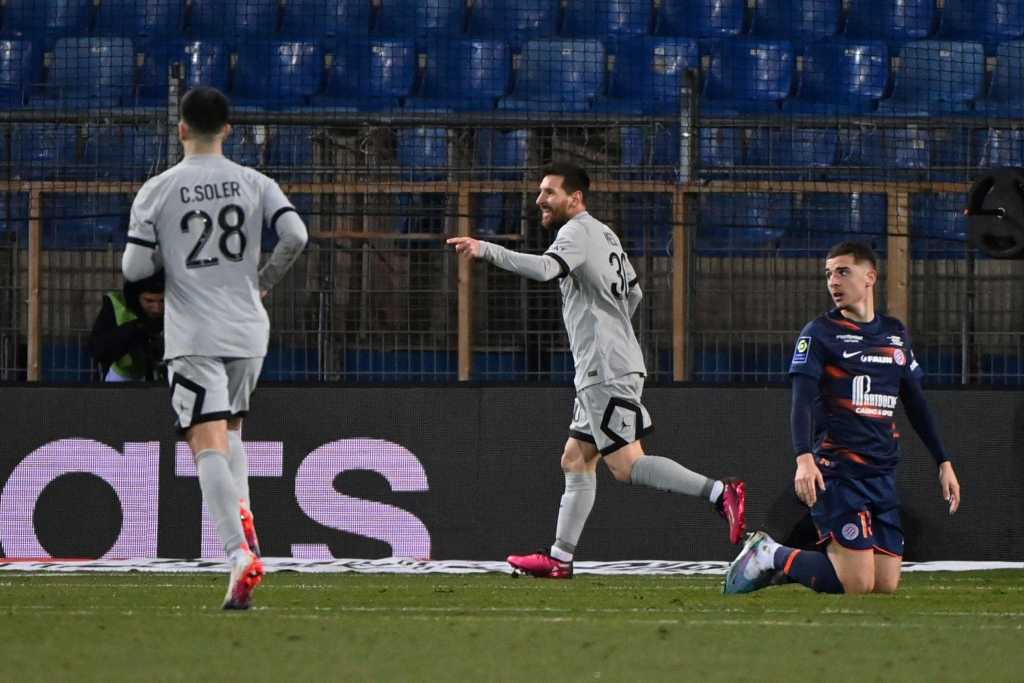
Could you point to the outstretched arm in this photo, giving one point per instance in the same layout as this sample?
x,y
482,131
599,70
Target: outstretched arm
x,y
535,267
923,422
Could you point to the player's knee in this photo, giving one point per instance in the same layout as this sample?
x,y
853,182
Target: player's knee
x,y
887,584
857,583
573,461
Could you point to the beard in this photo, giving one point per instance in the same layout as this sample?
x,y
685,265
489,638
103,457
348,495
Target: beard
x,y
556,220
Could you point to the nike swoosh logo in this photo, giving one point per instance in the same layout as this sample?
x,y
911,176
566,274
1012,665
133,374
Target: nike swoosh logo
x,y
851,354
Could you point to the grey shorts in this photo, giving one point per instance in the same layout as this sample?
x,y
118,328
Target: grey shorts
x,y
205,389
610,415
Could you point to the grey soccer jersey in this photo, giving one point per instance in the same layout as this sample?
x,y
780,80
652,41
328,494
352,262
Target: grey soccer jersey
x,y
205,216
599,294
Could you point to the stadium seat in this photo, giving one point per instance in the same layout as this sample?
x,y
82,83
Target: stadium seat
x,y
203,62
248,145
805,148
41,151
419,19
85,220
841,77
646,224
90,72
326,19
891,151
68,363
1000,147
826,218
701,18
608,20
14,217
938,226
514,21
423,153
144,21
558,76
742,224
364,365
984,21
464,75
123,152
934,77
649,152
285,363
721,149
291,153
713,363
799,21
891,20
748,76
648,76
48,19
277,74
369,75
234,21
499,155
499,366
1005,97
20,66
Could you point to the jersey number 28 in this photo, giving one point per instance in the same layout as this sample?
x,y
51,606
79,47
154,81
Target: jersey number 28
x,y
231,211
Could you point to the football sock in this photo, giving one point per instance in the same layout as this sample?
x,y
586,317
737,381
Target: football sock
x,y
811,568
577,502
717,489
668,475
220,497
239,464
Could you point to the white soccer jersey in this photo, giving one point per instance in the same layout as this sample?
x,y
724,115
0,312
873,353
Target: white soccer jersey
x,y
205,216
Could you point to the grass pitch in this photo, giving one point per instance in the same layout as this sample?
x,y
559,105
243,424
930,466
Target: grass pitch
x,y
316,627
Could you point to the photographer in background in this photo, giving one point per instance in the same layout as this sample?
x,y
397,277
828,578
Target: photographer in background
x,y
128,336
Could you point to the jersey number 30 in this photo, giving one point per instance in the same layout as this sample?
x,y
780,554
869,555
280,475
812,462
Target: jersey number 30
x,y
231,212
620,288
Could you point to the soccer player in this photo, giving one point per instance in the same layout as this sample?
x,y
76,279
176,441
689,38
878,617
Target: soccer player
x,y
600,292
201,221
849,368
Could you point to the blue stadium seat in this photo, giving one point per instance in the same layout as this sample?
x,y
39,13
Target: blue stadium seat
x,y
422,156
85,221
558,76
891,20
203,62
701,18
234,21
840,77
20,66
1005,97
285,363
892,151
608,20
363,365
648,76
41,151
938,226
514,21
646,224
248,145
940,364
68,363
827,218
796,20
499,366
143,21
291,153
936,77
277,74
464,75
985,21
420,19
649,152
499,155
713,363
90,72
369,75
49,19
326,19
720,150
748,76
123,152
1001,370
742,224
1000,147
805,148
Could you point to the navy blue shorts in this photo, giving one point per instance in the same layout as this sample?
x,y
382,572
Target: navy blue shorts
x,y
860,514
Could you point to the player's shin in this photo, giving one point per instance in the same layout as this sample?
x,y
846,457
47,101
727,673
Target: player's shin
x,y
808,567
577,502
668,475
221,498
239,464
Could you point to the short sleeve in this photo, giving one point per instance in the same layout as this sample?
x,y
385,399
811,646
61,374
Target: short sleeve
x,y
911,368
569,247
143,221
275,204
808,354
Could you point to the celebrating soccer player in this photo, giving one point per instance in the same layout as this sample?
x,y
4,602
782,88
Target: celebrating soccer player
x,y
201,220
849,368
600,292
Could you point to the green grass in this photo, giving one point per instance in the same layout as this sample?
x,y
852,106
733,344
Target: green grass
x,y
309,627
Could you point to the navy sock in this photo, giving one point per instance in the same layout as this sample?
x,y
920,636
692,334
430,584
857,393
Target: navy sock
x,y
811,568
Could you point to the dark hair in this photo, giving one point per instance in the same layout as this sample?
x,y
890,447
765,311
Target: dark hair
x,y
858,250
205,110
154,284
574,178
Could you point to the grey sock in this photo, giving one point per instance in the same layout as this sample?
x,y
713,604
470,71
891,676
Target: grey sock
x,y
220,497
239,464
577,502
668,475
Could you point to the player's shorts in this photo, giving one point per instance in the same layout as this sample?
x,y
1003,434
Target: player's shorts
x,y
204,389
610,415
860,514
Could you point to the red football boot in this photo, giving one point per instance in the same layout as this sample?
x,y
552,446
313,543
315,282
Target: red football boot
x,y
732,505
540,565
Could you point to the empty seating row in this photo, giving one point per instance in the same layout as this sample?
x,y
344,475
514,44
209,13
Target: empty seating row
x,y
517,21
923,78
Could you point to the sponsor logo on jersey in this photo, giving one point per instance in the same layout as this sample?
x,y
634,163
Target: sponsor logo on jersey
x,y
850,531
899,357
896,340
803,347
877,359
849,338
851,354
612,240
869,404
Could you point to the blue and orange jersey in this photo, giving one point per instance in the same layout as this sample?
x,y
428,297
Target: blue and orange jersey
x,y
859,368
